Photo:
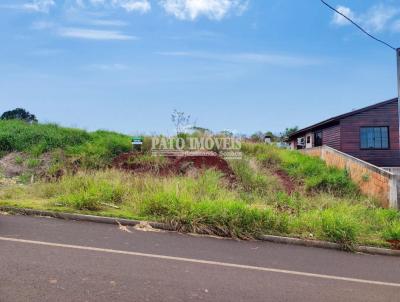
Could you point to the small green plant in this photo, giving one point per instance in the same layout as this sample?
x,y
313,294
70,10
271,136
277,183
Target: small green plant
x,y
365,178
32,163
26,178
19,160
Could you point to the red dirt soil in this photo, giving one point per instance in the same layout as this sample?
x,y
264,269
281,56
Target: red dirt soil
x,y
175,164
286,181
395,244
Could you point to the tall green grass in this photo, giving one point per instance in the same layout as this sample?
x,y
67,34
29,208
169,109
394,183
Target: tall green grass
x,y
206,204
100,149
89,149
38,138
255,183
316,176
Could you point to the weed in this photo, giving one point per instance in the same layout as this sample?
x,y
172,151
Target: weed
x,y
339,227
255,181
32,163
392,232
148,160
19,160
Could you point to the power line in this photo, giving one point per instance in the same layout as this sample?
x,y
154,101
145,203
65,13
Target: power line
x,y
358,26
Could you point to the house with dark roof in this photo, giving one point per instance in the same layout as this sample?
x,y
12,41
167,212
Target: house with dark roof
x,y
370,134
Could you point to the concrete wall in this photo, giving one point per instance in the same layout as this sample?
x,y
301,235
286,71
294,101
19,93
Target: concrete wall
x,y
372,180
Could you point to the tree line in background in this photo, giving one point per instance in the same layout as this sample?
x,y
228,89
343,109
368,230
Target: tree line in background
x,y
181,121
184,125
19,114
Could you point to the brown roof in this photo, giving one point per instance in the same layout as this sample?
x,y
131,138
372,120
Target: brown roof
x,y
337,118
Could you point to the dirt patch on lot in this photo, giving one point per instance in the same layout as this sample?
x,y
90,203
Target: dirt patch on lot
x,y
395,244
187,164
286,181
11,165
16,164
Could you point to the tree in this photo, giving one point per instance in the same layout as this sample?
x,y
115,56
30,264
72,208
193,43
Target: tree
x,y
260,136
288,132
181,121
19,114
257,137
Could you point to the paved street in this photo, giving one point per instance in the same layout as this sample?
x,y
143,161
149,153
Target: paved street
x,y
44,259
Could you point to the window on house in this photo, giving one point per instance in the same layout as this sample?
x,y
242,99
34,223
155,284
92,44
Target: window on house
x,y
318,138
374,137
308,139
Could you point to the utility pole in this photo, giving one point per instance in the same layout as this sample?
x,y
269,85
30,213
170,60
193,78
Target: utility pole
x,y
398,84
398,76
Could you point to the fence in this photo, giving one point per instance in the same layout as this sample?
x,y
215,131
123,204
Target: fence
x,y
373,181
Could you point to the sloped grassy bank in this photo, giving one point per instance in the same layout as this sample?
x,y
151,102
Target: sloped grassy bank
x,y
324,204
209,206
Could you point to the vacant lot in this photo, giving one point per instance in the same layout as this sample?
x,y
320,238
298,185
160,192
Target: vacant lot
x,y
269,191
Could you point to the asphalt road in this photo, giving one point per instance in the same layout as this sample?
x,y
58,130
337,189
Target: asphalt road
x,y
44,259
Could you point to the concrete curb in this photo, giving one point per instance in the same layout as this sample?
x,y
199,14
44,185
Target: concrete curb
x,y
81,217
166,227
330,245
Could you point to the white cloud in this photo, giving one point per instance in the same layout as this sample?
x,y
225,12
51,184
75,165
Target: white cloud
x,y
108,67
396,26
38,6
40,25
42,6
140,6
378,18
248,58
212,9
93,34
339,19
106,22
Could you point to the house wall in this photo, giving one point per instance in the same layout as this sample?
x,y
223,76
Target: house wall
x,y
331,137
385,115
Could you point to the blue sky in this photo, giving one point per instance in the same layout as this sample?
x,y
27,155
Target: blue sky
x,y
241,65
